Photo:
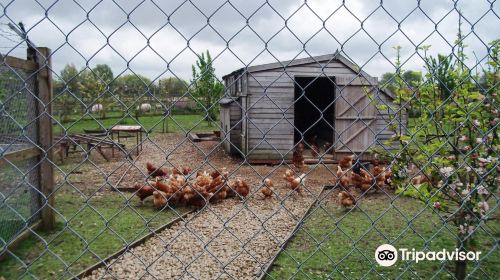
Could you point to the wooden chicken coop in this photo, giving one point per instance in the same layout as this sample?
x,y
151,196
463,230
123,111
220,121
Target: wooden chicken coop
x,y
324,101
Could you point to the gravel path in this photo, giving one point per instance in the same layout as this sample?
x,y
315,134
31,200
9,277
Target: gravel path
x,y
232,239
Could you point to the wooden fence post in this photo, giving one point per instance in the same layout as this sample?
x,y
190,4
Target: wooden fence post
x,y
45,137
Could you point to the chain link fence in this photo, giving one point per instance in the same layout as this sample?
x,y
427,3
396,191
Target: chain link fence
x,y
19,181
238,140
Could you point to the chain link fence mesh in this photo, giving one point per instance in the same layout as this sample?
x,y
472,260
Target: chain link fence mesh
x,y
297,161
19,181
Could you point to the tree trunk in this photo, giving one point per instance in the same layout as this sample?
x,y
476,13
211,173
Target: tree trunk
x,y
460,269
461,266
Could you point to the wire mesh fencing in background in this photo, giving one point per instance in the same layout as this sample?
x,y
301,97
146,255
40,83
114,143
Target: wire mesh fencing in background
x,y
21,203
249,140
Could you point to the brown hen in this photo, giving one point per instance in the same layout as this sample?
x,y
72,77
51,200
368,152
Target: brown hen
x,y
346,162
143,191
267,188
154,172
346,199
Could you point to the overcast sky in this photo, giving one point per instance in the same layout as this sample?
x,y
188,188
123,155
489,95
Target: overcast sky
x,y
238,31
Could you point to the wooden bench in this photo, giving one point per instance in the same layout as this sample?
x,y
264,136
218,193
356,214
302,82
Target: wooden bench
x,y
89,142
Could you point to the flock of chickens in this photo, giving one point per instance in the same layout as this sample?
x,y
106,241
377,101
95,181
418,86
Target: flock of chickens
x,y
173,187
350,178
357,178
180,187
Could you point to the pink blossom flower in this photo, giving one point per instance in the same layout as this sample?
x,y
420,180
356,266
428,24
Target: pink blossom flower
x,y
479,140
477,123
479,170
482,190
437,205
446,171
483,205
463,138
462,228
471,230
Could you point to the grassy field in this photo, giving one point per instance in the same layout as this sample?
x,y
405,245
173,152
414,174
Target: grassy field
x,y
336,245
83,237
152,123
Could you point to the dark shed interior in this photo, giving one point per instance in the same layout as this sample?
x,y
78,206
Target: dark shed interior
x,y
313,97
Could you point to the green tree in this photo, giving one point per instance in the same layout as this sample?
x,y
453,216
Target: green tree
x,y
132,86
454,146
442,73
90,89
103,73
102,77
67,92
96,86
205,87
174,86
411,80
168,89
131,89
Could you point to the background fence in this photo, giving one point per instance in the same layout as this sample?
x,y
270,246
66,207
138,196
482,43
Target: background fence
x,y
287,152
21,136
20,185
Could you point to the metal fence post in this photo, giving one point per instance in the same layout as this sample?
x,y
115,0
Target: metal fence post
x,y
45,138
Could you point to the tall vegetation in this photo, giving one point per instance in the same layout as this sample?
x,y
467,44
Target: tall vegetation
x,y
67,92
173,86
75,91
206,88
129,90
452,145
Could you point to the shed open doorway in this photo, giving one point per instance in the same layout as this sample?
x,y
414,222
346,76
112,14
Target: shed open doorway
x,y
314,95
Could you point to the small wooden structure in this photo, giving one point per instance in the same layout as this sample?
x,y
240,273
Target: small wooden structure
x,y
325,100
129,129
88,143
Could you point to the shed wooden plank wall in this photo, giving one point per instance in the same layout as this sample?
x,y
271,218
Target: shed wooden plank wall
x,y
387,118
270,110
224,124
271,101
235,126
383,118
355,121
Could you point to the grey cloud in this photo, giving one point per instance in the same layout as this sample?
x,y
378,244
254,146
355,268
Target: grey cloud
x,y
147,21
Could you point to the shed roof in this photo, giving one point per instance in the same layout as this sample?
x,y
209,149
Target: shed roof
x,y
301,61
226,101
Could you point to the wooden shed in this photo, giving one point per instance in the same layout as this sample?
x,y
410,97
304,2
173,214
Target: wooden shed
x,y
325,100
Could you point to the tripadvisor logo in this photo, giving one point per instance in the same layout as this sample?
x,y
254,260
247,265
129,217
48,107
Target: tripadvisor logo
x,y
387,255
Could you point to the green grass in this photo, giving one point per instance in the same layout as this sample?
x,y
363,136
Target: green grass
x,y
336,244
152,123
83,225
